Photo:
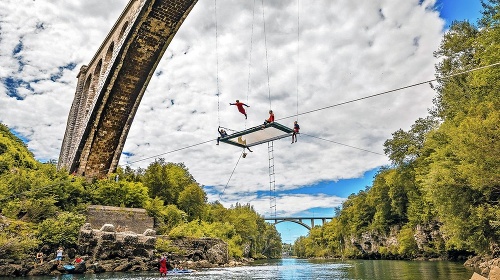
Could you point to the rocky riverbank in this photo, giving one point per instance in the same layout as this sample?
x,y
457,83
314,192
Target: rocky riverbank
x,y
106,250
485,267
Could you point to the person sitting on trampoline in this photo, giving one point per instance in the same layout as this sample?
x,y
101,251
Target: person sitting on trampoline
x,y
296,129
240,107
270,119
222,133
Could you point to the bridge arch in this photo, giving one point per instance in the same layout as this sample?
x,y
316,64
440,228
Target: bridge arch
x,y
294,221
298,220
93,141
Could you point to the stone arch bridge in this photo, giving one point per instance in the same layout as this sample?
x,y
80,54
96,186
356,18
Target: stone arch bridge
x,y
298,220
111,86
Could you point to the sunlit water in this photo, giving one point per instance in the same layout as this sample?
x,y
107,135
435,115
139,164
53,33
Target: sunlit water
x,y
304,269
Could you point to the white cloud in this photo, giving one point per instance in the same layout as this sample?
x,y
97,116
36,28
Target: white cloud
x,y
347,50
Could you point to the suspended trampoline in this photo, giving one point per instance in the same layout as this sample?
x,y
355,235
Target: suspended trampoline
x,y
258,135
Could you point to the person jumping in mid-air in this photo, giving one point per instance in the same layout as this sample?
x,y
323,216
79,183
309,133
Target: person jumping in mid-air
x,y
222,133
240,107
296,129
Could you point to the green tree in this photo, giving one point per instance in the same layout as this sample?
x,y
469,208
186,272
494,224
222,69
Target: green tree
x,y
121,193
167,180
192,200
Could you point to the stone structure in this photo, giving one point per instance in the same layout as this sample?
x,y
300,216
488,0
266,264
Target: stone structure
x,y
124,219
111,86
106,243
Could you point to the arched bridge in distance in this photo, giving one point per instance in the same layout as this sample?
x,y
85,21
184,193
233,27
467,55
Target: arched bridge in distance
x,y
299,220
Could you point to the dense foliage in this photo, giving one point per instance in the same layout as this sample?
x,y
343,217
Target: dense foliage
x,y
446,167
44,207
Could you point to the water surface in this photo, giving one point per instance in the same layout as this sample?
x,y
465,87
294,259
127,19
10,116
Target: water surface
x,y
303,269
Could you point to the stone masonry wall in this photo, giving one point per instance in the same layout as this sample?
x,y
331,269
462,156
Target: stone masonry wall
x,y
123,219
114,83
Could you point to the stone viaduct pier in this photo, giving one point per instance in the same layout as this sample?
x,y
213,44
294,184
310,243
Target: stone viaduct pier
x,y
111,86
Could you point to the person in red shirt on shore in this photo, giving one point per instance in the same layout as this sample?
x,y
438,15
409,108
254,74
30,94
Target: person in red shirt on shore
x,y
240,107
163,266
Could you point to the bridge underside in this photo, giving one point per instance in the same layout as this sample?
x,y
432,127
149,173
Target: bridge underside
x,y
103,138
298,220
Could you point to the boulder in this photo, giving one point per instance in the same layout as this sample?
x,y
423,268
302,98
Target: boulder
x,y
494,273
80,268
43,269
108,228
11,270
149,232
476,276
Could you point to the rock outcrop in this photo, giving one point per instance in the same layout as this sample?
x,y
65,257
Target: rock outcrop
x,y
485,266
106,243
208,252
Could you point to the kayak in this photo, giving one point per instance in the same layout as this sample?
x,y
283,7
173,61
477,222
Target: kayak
x,y
69,267
180,271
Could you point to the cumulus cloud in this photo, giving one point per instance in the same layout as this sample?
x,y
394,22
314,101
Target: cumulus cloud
x,y
343,50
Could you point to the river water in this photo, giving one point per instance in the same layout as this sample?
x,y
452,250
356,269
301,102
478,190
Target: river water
x,y
304,269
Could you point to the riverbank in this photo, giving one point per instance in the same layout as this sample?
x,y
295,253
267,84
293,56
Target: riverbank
x,y
134,264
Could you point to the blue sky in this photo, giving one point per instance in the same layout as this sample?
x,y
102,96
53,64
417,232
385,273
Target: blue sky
x,y
451,10
348,49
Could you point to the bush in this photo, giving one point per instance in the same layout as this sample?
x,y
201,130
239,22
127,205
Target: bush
x,y
17,239
62,230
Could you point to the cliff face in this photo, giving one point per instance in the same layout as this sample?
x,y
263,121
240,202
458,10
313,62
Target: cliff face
x,y
426,239
211,251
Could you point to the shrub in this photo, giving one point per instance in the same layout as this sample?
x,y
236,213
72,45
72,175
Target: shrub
x,y
62,230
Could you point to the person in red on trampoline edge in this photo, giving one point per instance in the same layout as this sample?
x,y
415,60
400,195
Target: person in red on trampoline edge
x,y
240,107
270,119
296,129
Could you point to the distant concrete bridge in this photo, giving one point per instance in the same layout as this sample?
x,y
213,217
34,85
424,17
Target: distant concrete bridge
x,y
298,220
111,86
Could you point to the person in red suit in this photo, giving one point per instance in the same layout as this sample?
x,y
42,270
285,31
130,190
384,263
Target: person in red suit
x,y
240,107
163,266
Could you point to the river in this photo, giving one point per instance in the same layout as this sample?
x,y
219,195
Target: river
x,y
304,269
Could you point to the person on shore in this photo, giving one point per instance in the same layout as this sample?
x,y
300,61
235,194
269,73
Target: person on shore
x,y
59,255
163,266
39,258
240,107
78,260
296,129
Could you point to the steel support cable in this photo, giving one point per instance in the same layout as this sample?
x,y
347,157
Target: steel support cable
x,y
298,56
335,105
217,61
250,56
225,187
169,152
267,60
361,149
394,90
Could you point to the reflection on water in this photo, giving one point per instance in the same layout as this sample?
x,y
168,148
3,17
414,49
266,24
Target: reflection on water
x,y
302,269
